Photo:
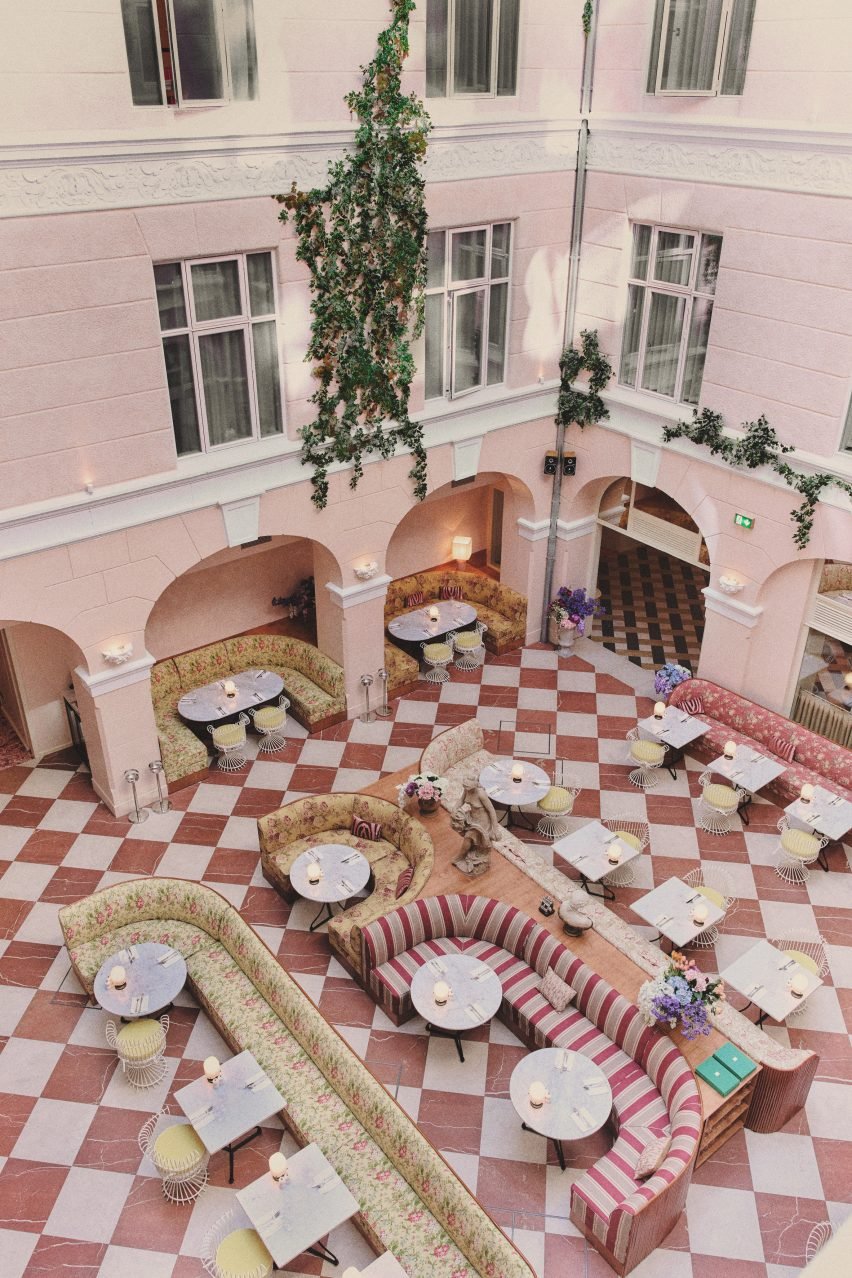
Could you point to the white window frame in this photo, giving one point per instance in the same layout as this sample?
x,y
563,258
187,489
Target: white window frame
x,y
721,54
451,289
181,102
688,291
495,34
245,321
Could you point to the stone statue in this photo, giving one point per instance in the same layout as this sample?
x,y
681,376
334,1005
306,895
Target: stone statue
x,y
476,820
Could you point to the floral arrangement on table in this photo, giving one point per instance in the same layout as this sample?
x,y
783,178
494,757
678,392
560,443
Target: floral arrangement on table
x,y
426,787
681,995
572,608
668,677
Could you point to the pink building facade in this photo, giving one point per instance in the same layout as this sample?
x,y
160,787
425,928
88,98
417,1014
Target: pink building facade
x,y
144,275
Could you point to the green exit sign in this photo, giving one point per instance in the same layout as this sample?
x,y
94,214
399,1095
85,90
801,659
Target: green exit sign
x,y
744,521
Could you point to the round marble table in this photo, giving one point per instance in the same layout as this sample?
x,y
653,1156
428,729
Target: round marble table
x,y
475,994
417,627
345,871
571,1110
154,972
209,704
496,781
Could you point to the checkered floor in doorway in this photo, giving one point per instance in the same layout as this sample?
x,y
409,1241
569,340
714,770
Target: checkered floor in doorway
x,y
76,1196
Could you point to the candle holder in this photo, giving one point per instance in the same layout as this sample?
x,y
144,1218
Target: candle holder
x,y
441,993
383,710
163,803
138,814
366,683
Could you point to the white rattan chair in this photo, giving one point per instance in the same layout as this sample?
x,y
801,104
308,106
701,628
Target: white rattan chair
x,y
469,648
230,740
634,833
232,1249
718,805
715,885
810,953
437,656
796,852
556,806
269,722
141,1048
177,1153
817,1238
648,757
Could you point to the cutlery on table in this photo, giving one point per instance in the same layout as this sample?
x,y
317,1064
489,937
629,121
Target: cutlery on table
x,y
754,990
690,899
783,966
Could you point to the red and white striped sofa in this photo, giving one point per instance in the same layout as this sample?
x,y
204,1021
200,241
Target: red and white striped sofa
x,y
654,1090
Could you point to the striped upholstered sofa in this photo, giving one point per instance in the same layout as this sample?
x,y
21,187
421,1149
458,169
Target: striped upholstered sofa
x,y
654,1090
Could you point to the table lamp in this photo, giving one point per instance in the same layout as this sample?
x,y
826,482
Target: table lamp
x,y
659,709
537,1094
462,550
730,749
117,978
517,773
212,1070
441,993
278,1167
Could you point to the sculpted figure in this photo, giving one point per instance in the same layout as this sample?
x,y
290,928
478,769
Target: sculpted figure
x,y
476,820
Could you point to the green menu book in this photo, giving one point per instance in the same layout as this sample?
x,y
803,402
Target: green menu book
x,y
735,1060
719,1077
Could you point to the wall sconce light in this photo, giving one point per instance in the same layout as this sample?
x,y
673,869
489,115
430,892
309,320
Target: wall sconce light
x,y
89,487
462,550
366,571
730,584
117,653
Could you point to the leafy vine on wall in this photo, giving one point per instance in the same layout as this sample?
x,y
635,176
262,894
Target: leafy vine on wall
x,y
759,446
363,237
587,18
585,407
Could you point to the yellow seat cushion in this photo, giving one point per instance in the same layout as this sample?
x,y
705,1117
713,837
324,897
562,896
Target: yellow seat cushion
x,y
178,1147
270,717
437,652
468,639
647,751
242,1252
803,960
140,1039
801,844
557,799
629,839
712,895
229,734
721,796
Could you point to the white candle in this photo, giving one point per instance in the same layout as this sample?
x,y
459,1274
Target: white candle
x,y
613,852
537,1094
314,872
659,709
730,749
517,773
351,1272
799,984
212,1069
434,615
278,1167
440,992
699,913
807,793
230,688
117,977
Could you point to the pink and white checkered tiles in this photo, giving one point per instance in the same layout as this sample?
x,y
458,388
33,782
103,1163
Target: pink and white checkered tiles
x,y
77,1197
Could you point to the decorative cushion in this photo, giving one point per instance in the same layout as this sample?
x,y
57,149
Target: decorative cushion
x,y
437,651
229,734
647,751
784,748
630,839
721,796
415,599
557,992
468,639
366,829
269,717
243,1252
801,844
403,883
803,960
691,705
652,1157
451,592
178,1147
711,894
140,1040
557,799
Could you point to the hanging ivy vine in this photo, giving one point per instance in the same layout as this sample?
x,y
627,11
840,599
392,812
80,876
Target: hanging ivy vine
x,y
362,237
759,446
585,407
587,18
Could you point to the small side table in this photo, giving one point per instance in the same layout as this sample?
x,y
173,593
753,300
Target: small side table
x,y
345,871
222,1112
475,995
579,1097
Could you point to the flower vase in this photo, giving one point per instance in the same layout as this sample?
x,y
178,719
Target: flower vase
x,y
562,637
427,805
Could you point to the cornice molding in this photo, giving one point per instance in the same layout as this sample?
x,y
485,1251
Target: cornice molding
x,y
533,530
351,596
744,614
111,680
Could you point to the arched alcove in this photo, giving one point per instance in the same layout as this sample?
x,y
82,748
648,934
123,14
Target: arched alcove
x,y
36,662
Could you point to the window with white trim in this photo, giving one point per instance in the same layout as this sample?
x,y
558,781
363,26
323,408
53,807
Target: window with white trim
x,y
846,442
472,48
669,308
220,341
467,305
190,52
700,47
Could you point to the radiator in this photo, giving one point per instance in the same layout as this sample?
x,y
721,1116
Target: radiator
x,y
822,717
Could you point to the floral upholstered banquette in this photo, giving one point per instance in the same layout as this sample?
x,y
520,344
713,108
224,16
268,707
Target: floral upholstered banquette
x,y
654,1090
327,818
402,669
459,755
503,610
410,1200
734,718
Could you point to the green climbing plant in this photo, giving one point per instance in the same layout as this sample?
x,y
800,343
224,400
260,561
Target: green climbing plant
x,y
363,237
587,18
583,406
759,446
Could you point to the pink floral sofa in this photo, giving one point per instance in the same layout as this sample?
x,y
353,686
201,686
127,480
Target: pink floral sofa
x,y
503,610
734,718
654,1090
411,1202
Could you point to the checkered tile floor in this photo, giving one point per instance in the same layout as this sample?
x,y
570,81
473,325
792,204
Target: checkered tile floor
x,y
76,1196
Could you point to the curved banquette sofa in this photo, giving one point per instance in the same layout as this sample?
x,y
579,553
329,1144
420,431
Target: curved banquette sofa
x,y
411,1202
503,610
404,843
731,717
654,1090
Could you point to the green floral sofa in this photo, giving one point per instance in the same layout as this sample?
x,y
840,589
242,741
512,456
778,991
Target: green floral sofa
x,y
313,684
403,670
411,1202
502,609
327,818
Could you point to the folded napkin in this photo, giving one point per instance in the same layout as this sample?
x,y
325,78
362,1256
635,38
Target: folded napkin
x,y
131,954
199,1115
481,973
346,886
565,1061
326,1186
597,1089
271,1224
255,1079
581,1122
584,1113
204,1121
261,1085
832,803
664,918
437,965
353,856
172,957
139,1004
491,790
476,1012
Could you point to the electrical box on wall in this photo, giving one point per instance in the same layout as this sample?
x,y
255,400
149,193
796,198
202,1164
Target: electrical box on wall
x,y
569,463
550,462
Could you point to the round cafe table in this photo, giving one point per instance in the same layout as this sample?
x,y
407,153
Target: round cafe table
x,y
579,1097
154,971
475,995
210,704
496,780
345,871
417,627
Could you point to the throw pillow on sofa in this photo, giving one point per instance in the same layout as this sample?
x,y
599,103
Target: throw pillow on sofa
x,y
362,829
414,600
784,748
691,705
451,592
557,992
403,883
652,1157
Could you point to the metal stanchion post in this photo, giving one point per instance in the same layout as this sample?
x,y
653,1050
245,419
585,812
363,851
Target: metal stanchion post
x,y
138,814
366,684
383,710
163,803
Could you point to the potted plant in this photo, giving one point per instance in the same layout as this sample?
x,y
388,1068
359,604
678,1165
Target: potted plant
x,y
668,677
426,787
681,995
568,613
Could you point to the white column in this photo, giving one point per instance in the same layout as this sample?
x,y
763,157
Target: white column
x,y
119,729
353,626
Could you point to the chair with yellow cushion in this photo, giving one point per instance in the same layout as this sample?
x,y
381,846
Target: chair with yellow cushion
x,y
178,1154
141,1048
556,806
648,757
230,740
437,656
635,834
469,647
715,886
232,1249
796,852
269,722
718,805
810,954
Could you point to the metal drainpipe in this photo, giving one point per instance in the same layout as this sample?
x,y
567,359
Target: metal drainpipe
x,y
571,297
